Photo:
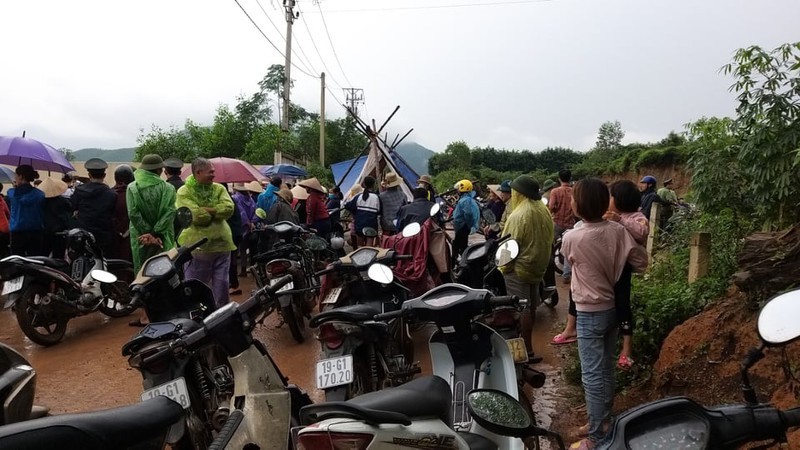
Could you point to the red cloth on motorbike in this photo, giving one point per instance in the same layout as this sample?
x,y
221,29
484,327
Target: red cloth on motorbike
x,y
412,273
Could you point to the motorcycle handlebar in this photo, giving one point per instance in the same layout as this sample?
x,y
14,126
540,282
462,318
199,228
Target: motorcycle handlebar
x,y
387,316
791,417
402,257
283,281
504,300
325,271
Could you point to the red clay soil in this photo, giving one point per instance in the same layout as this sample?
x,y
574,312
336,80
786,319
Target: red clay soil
x,y
701,357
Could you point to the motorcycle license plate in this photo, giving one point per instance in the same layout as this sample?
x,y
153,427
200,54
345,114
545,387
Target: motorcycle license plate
x,y
175,390
334,372
333,296
12,285
518,349
286,287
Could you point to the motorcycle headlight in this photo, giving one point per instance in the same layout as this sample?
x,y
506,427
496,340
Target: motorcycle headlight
x,y
157,267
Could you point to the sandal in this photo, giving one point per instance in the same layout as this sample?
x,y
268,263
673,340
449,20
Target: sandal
x,y
583,444
236,291
560,339
624,362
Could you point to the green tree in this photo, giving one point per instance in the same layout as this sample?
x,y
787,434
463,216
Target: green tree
x,y
456,155
609,136
172,142
273,83
768,125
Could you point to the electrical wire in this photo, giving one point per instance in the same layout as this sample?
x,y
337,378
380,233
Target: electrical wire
x,y
270,42
331,42
463,5
325,66
307,63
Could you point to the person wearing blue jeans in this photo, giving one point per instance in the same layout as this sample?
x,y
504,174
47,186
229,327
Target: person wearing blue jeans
x,y
598,251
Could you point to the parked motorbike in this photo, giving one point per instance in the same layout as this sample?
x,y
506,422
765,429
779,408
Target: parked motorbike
x,y
290,255
679,422
225,380
45,293
362,357
17,388
466,355
142,427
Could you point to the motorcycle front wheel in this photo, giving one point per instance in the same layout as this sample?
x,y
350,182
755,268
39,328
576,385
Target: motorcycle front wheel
x,y
41,326
116,302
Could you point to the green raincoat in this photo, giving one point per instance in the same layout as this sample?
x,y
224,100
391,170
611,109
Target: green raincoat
x,y
151,209
195,196
530,224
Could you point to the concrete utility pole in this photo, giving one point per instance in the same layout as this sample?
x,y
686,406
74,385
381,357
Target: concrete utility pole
x,y
322,120
353,97
290,16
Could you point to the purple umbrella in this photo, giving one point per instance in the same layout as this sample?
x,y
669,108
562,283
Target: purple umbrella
x,y
16,151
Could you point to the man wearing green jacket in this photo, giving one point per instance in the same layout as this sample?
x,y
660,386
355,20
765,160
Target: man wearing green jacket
x,y
211,207
528,223
151,209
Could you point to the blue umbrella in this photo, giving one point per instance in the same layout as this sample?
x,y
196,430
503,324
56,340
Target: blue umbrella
x,y
284,170
6,175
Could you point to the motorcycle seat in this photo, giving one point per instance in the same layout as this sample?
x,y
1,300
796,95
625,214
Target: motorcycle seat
x,y
428,396
51,262
422,397
123,427
160,331
477,442
352,313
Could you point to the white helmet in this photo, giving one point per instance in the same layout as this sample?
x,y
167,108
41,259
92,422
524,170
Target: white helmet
x,y
337,242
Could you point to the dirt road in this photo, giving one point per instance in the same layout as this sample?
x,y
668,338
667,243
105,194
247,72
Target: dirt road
x,y
86,371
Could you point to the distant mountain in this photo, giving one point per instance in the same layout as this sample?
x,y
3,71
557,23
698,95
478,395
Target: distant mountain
x,y
116,155
416,156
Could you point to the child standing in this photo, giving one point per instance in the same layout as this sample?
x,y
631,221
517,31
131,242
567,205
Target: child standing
x,y
624,209
598,252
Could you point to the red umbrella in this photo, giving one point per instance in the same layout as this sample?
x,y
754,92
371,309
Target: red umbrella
x,y
229,170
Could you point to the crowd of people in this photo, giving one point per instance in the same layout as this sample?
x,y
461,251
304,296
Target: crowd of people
x,y
603,230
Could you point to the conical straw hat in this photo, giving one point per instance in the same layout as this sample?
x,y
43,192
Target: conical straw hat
x,y
52,187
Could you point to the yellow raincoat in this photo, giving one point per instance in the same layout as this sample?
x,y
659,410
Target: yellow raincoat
x,y
196,196
530,224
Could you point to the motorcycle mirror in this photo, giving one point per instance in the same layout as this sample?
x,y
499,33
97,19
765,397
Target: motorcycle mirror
x,y
380,274
506,252
316,243
544,200
103,276
777,321
411,229
499,413
261,214
488,216
435,209
369,232
183,216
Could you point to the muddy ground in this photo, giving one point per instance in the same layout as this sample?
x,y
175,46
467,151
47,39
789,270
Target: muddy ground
x,y
86,371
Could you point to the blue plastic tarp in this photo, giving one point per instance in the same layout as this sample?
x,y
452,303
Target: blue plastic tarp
x,y
339,169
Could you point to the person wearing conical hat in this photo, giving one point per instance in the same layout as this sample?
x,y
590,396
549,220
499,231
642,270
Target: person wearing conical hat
x,y
246,205
317,215
392,199
57,214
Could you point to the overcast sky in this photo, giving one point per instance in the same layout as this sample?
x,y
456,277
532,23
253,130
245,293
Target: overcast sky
x,y
512,74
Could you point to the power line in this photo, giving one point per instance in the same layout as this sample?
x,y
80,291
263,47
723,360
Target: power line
x,y
463,5
307,62
331,41
325,66
270,42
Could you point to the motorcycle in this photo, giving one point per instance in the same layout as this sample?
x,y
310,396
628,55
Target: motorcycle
x,y
681,422
45,293
17,387
362,357
141,426
290,255
466,355
225,380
